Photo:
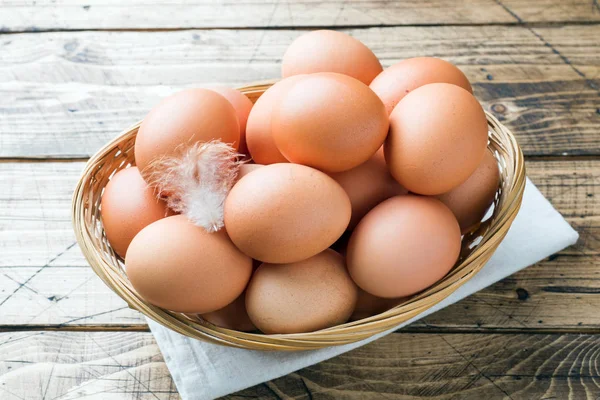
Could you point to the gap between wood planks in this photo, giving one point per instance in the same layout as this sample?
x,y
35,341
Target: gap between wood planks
x,y
541,24
433,330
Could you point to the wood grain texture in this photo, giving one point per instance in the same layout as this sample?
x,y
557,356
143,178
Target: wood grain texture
x,y
449,366
66,94
25,15
45,281
50,365
68,365
550,10
144,14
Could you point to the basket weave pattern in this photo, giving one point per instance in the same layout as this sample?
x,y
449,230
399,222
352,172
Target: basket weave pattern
x,y
477,248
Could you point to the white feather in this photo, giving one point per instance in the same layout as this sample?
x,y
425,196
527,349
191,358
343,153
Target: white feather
x,y
197,181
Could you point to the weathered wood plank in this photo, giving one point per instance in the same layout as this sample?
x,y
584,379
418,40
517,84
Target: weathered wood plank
x,y
550,10
25,15
450,366
98,14
123,366
66,94
562,292
44,279
50,365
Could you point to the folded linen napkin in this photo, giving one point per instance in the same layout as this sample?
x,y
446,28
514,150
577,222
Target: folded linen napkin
x,y
206,371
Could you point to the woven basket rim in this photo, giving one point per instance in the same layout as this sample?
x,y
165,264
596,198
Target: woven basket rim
x,y
107,266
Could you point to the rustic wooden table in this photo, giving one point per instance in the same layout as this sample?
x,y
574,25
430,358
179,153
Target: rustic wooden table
x,y
73,74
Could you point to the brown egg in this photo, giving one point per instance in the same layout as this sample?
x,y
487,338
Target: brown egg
x,y
232,316
470,200
128,206
400,79
368,185
242,106
329,121
259,137
305,296
402,246
434,148
330,51
187,117
283,213
179,266
368,305
245,169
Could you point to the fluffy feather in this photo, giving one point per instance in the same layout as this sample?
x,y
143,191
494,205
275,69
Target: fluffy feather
x,y
197,181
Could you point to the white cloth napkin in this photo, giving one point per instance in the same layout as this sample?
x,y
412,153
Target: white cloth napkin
x,y
206,371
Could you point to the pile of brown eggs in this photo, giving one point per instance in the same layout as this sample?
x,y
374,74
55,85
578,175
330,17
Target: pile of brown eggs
x,y
343,190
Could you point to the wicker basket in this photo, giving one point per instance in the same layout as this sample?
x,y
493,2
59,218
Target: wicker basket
x,y
477,248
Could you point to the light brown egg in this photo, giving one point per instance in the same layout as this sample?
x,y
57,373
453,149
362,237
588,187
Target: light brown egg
x,y
242,106
187,117
400,79
283,213
245,169
402,246
305,296
368,185
470,200
368,305
128,206
179,266
259,137
434,148
329,121
330,51
232,316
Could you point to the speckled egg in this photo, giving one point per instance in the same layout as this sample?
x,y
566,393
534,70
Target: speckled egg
x,y
305,296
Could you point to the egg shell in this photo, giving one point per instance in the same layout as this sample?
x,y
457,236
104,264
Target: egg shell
x,y
330,51
368,305
305,296
245,169
187,117
128,205
402,246
471,199
283,213
179,266
242,106
368,185
232,316
400,79
259,137
434,148
329,121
